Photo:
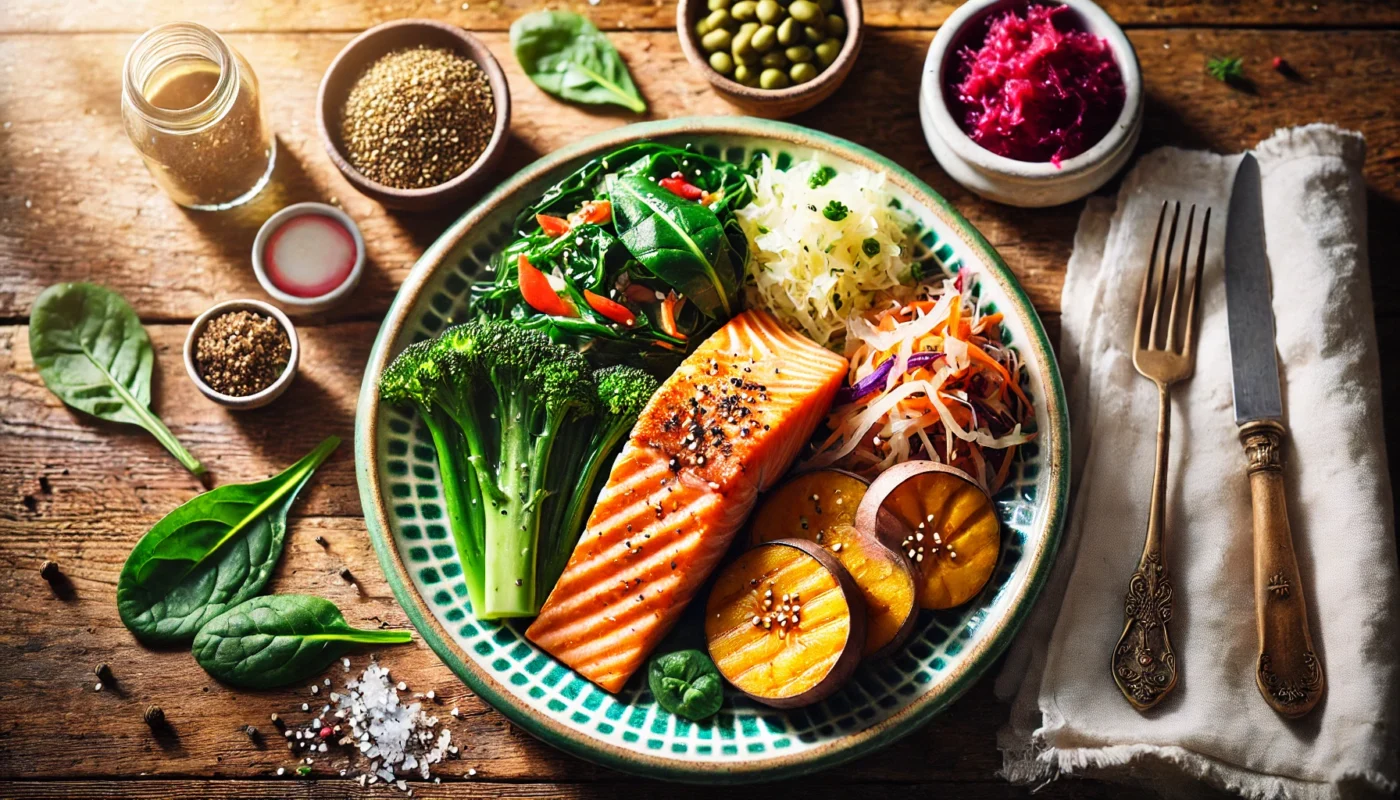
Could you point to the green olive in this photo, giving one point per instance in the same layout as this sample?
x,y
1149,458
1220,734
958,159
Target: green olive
x,y
805,11
749,59
742,43
774,59
826,5
789,32
764,38
721,62
744,10
703,26
717,39
774,79
801,73
746,75
769,12
836,26
719,18
827,51
813,35
800,54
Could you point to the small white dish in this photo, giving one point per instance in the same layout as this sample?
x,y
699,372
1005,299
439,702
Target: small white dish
x,y
1025,183
259,399
308,305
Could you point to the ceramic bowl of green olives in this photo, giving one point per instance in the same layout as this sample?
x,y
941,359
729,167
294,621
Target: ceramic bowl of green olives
x,y
773,58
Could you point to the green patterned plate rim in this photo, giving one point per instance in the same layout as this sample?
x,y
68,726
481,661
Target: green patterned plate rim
x,y
745,742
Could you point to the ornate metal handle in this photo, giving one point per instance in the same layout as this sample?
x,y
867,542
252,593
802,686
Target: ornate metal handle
x,y
1289,674
1144,665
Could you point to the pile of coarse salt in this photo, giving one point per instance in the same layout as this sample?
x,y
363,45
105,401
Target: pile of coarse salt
x,y
398,739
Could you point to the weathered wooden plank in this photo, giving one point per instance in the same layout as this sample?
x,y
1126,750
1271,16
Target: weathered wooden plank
x,y
307,789
485,15
75,202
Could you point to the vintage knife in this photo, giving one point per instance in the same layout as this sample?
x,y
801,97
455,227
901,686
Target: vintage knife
x,y
1289,673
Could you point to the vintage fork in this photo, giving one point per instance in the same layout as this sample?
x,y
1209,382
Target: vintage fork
x,y
1144,666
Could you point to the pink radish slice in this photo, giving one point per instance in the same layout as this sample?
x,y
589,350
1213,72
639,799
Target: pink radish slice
x,y
309,256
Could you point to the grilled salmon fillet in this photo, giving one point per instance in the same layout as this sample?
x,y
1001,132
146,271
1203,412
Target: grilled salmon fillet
x,y
724,427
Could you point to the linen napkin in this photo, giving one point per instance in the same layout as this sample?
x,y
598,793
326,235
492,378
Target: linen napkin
x,y
1068,715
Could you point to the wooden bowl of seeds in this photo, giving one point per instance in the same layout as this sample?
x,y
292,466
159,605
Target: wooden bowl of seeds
x,y
414,113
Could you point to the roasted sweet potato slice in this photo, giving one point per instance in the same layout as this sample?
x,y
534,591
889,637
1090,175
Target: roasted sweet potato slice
x,y
944,523
887,585
807,505
785,623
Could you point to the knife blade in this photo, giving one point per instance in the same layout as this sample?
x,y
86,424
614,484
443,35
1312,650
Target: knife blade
x,y
1248,300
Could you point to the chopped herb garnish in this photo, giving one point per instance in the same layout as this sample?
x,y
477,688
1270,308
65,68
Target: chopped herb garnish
x,y
835,211
821,177
870,247
1226,68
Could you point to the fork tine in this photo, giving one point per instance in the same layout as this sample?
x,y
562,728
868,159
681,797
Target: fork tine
x,y
1196,287
1139,338
1173,333
1152,337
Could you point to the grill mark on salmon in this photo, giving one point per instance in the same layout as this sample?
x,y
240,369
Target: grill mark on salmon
x,y
726,425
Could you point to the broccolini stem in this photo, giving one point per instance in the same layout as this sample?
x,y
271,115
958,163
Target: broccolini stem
x,y
511,523
466,531
600,454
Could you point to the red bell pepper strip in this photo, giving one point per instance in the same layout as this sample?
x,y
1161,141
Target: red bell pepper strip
x,y
614,311
669,306
553,227
535,288
681,187
598,212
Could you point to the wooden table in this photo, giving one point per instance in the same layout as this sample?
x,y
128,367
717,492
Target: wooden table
x,y
77,204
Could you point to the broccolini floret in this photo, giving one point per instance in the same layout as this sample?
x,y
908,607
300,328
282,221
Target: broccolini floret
x,y
521,429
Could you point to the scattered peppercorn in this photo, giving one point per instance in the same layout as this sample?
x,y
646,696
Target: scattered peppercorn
x,y
154,716
321,540
103,672
49,571
418,117
251,732
240,353
346,576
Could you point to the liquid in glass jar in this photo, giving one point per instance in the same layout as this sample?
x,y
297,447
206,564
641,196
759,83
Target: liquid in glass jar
x,y
191,107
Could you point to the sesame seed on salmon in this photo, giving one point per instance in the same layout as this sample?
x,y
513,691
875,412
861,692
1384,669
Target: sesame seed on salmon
x,y
724,427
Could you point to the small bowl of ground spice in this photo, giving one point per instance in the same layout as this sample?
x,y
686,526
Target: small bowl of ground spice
x,y
414,113
242,354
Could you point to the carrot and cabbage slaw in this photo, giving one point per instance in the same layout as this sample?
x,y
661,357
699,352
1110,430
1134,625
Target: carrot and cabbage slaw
x,y
929,379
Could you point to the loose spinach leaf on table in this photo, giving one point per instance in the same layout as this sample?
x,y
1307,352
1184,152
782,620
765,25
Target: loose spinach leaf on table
x,y
92,352
679,241
215,551
686,684
280,639
565,55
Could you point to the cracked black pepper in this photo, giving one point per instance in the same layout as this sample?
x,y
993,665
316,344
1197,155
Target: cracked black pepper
x,y
241,353
418,117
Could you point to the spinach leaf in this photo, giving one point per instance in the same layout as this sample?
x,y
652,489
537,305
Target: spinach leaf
x,y
215,551
678,241
93,354
686,684
565,55
280,639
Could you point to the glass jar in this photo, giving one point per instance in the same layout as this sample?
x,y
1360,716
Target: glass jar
x,y
191,106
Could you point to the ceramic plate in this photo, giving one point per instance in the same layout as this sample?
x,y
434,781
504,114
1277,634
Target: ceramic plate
x,y
399,487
